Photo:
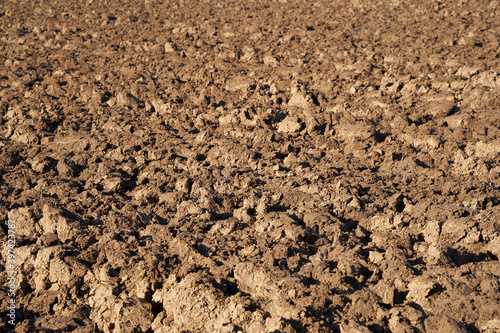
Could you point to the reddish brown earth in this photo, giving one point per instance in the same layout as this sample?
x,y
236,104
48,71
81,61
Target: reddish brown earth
x,y
251,166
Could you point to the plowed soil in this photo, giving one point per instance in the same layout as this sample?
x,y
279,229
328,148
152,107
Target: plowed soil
x,y
251,166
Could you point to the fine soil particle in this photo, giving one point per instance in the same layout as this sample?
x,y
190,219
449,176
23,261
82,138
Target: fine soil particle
x,y
268,166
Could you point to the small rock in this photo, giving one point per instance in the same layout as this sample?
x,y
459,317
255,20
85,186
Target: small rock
x,y
300,100
354,203
431,232
170,47
289,125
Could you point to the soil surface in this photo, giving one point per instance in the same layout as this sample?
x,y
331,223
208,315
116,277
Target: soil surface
x,y
251,166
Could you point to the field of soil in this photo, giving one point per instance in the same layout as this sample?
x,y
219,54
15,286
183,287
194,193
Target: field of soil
x,y
251,166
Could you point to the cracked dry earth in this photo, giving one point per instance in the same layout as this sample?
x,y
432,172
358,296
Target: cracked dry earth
x,y
251,166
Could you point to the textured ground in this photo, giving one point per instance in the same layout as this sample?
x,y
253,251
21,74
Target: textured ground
x,y
251,166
